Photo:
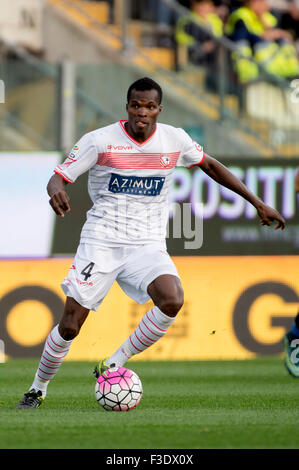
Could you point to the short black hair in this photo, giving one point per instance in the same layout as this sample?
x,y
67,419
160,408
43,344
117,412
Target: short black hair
x,y
145,84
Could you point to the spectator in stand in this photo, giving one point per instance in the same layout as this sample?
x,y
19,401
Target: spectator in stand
x,y
196,31
222,9
254,30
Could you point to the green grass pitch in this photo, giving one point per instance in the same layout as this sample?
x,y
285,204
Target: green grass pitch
x,y
211,404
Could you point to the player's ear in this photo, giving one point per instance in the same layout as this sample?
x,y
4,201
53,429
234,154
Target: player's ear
x,y
160,108
127,107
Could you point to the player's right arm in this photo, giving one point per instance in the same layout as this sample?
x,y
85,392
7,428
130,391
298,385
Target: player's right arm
x,y
59,199
82,157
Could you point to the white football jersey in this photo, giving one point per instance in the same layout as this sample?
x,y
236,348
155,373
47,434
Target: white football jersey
x,y
128,181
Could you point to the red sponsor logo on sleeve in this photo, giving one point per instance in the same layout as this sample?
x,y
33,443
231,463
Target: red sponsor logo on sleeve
x,y
198,147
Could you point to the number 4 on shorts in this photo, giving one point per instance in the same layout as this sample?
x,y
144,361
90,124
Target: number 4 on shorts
x,y
87,271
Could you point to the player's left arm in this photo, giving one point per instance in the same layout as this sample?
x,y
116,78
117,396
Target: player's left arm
x,y
223,176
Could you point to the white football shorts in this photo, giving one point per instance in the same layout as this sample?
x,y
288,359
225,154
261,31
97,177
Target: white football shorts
x,y
95,268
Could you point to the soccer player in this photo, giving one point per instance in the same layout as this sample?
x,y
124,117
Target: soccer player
x,y
130,167
291,339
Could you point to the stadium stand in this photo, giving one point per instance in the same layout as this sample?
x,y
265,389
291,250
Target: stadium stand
x,y
257,119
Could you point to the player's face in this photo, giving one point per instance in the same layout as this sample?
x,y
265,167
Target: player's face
x,y
143,110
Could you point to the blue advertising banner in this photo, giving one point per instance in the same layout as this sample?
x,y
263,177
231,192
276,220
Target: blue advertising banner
x,y
228,224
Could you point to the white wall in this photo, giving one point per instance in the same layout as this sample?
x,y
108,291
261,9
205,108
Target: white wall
x,y
21,22
27,220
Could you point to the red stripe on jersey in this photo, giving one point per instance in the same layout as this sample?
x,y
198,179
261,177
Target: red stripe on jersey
x,y
138,161
64,177
197,164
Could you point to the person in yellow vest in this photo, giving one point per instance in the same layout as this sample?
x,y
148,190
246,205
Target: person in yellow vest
x,y
254,29
197,30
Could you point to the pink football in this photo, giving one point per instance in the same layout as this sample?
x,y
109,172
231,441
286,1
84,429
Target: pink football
x,y
118,389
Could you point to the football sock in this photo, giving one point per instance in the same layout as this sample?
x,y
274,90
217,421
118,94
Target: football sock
x,y
55,350
295,327
151,328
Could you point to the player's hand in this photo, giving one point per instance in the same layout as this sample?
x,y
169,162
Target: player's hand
x,y
268,215
60,203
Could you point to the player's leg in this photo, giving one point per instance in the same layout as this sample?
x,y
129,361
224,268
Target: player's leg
x,y
56,348
167,294
58,343
291,344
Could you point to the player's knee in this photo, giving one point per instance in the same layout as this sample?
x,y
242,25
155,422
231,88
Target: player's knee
x,y
69,326
73,318
69,332
171,304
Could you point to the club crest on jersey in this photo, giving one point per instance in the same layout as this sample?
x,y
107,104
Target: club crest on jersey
x,y
139,185
165,160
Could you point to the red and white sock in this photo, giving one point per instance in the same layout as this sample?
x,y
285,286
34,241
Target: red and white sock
x,y
55,350
151,328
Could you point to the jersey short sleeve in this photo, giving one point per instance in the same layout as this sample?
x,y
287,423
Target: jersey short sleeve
x,y
192,153
81,158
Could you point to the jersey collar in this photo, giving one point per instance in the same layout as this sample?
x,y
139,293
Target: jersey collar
x,y
122,125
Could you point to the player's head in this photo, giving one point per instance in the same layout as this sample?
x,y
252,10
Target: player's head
x,y
145,84
143,107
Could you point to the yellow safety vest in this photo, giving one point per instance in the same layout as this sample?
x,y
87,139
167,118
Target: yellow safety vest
x,y
252,22
213,22
277,59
